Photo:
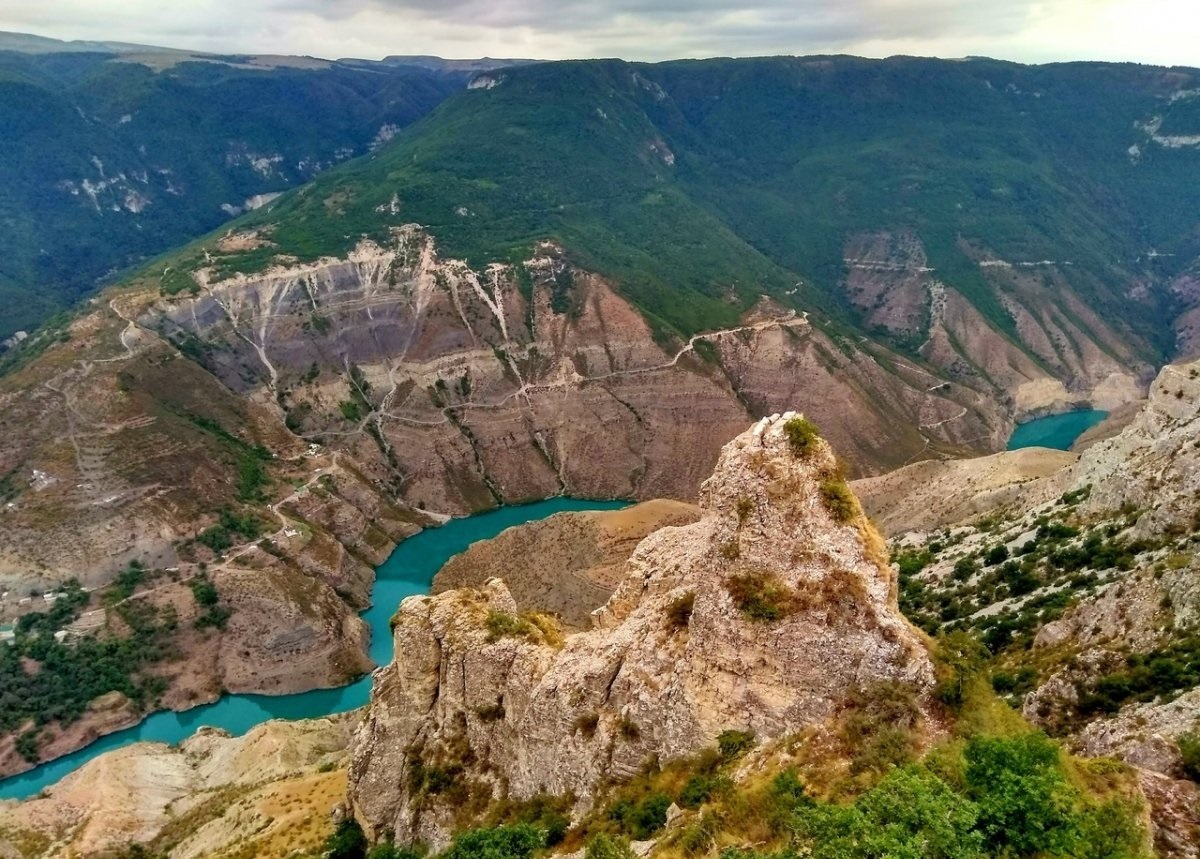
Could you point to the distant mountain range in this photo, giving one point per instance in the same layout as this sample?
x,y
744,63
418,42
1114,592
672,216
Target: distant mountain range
x,y
931,205
29,43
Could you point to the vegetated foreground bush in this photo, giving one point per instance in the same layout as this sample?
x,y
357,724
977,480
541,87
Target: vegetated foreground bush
x,y
988,797
1014,797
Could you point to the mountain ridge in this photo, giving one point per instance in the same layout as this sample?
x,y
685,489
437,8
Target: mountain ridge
x,y
1046,312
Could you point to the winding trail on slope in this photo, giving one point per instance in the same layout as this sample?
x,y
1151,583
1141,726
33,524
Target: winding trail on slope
x,y
526,389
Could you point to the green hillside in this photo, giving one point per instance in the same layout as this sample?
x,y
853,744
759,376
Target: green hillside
x,y
104,162
684,179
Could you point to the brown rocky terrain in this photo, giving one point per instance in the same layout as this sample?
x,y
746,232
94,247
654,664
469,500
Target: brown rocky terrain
x,y
118,448
1141,458
932,494
510,705
1058,355
764,615
566,565
343,404
331,403
269,792
485,389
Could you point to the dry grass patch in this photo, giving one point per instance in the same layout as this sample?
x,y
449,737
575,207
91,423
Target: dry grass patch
x,y
761,595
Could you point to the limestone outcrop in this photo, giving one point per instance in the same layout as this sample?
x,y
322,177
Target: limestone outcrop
x,y
212,793
1152,464
764,615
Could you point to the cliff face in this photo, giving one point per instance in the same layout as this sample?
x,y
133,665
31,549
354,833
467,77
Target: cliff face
x,y
276,786
1058,354
764,615
517,382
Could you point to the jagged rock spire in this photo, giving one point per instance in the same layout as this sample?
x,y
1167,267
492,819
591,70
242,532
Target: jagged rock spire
x,y
765,615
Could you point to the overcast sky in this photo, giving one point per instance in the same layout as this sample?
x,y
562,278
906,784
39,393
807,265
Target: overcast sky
x,y
1152,31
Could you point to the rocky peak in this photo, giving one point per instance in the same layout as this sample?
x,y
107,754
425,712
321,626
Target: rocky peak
x,y
765,615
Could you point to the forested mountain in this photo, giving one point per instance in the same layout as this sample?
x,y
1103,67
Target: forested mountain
x,y
109,154
1022,188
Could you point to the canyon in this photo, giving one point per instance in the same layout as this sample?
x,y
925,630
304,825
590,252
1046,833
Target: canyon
x,y
232,438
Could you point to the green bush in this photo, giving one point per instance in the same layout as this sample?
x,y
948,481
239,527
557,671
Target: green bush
x,y
1024,799
641,819
604,846
879,729
387,850
230,525
1189,755
911,813
126,583
696,790
346,841
27,746
911,563
351,411
838,499
212,613
501,624
518,841
204,591
997,554
964,568
802,435
1145,676
960,659
698,838
547,813
733,744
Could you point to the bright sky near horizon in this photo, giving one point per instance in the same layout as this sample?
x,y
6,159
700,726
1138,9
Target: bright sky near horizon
x,y
1151,31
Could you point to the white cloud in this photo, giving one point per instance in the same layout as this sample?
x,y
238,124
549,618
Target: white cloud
x,y
1159,31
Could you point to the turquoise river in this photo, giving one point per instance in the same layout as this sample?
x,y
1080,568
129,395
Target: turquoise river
x,y
1056,431
408,571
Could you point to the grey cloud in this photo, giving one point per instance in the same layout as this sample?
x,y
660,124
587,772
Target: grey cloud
x,y
1030,30
716,19
658,29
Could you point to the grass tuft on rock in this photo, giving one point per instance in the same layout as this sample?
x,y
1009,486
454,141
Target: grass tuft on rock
x,y
501,624
838,499
802,436
761,595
